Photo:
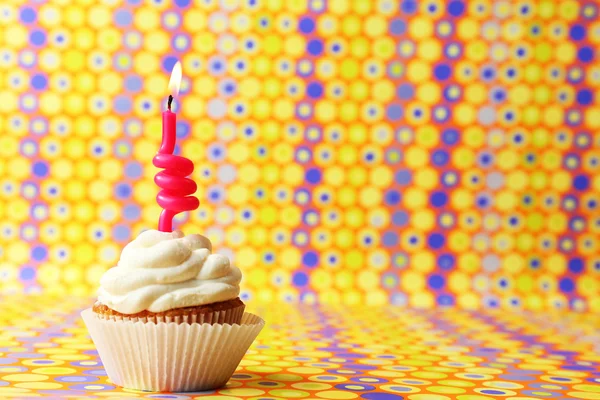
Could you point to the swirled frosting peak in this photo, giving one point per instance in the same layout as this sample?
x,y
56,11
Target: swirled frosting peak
x,y
160,271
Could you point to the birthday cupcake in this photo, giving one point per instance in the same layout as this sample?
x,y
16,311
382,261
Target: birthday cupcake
x,y
170,277
168,316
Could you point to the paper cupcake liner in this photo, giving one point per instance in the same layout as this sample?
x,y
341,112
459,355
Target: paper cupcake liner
x,y
169,356
229,316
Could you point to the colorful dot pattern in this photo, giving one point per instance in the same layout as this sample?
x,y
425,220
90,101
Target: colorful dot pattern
x,y
330,352
423,153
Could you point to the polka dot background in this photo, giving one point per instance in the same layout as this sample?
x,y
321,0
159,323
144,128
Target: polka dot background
x,y
331,352
357,152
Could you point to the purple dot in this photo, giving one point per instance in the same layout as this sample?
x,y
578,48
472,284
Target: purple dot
x,y
313,176
577,32
132,212
315,47
133,83
123,18
491,391
39,253
28,15
409,6
442,72
405,91
306,25
566,285
390,239
585,97
122,104
133,169
576,265
392,197
300,279
314,90
27,273
394,112
586,54
436,281
121,232
381,396
397,27
168,63
581,182
310,259
182,3
38,81
37,38
40,169
436,240
438,199
456,8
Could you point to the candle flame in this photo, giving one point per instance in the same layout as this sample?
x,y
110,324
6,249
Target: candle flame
x,y
175,81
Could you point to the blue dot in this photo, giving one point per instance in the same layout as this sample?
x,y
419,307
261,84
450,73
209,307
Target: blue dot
x,y
122,104
403,177
436,281
310,259
390,239
40,169
392,197
306,25
576,265
450,136
436,240
28,15
315,47
566,285
405,91
123,18
442,72
300,279
134,83
182,3
577,32
39,81
313,176
314,90
39,253
37,38
456,8
586,54
585,97
400,218
438,199
446,261
409,6
168,63
397,27
488,73
394,112
581,182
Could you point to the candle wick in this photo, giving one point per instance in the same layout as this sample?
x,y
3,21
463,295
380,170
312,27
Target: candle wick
x,y
170,101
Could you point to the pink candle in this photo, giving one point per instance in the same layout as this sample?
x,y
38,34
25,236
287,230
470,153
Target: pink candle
x,y
176,189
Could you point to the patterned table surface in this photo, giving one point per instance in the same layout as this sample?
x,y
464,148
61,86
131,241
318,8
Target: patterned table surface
x,y
329,353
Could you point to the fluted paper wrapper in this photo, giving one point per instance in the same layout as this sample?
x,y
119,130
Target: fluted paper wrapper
x,y
169,356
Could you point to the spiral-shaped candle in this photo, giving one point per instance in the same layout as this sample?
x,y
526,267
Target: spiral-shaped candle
x,y
176,189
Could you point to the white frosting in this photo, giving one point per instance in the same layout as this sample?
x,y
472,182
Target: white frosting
x,y
160,271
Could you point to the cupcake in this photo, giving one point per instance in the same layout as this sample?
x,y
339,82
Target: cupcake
x,y
168,316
